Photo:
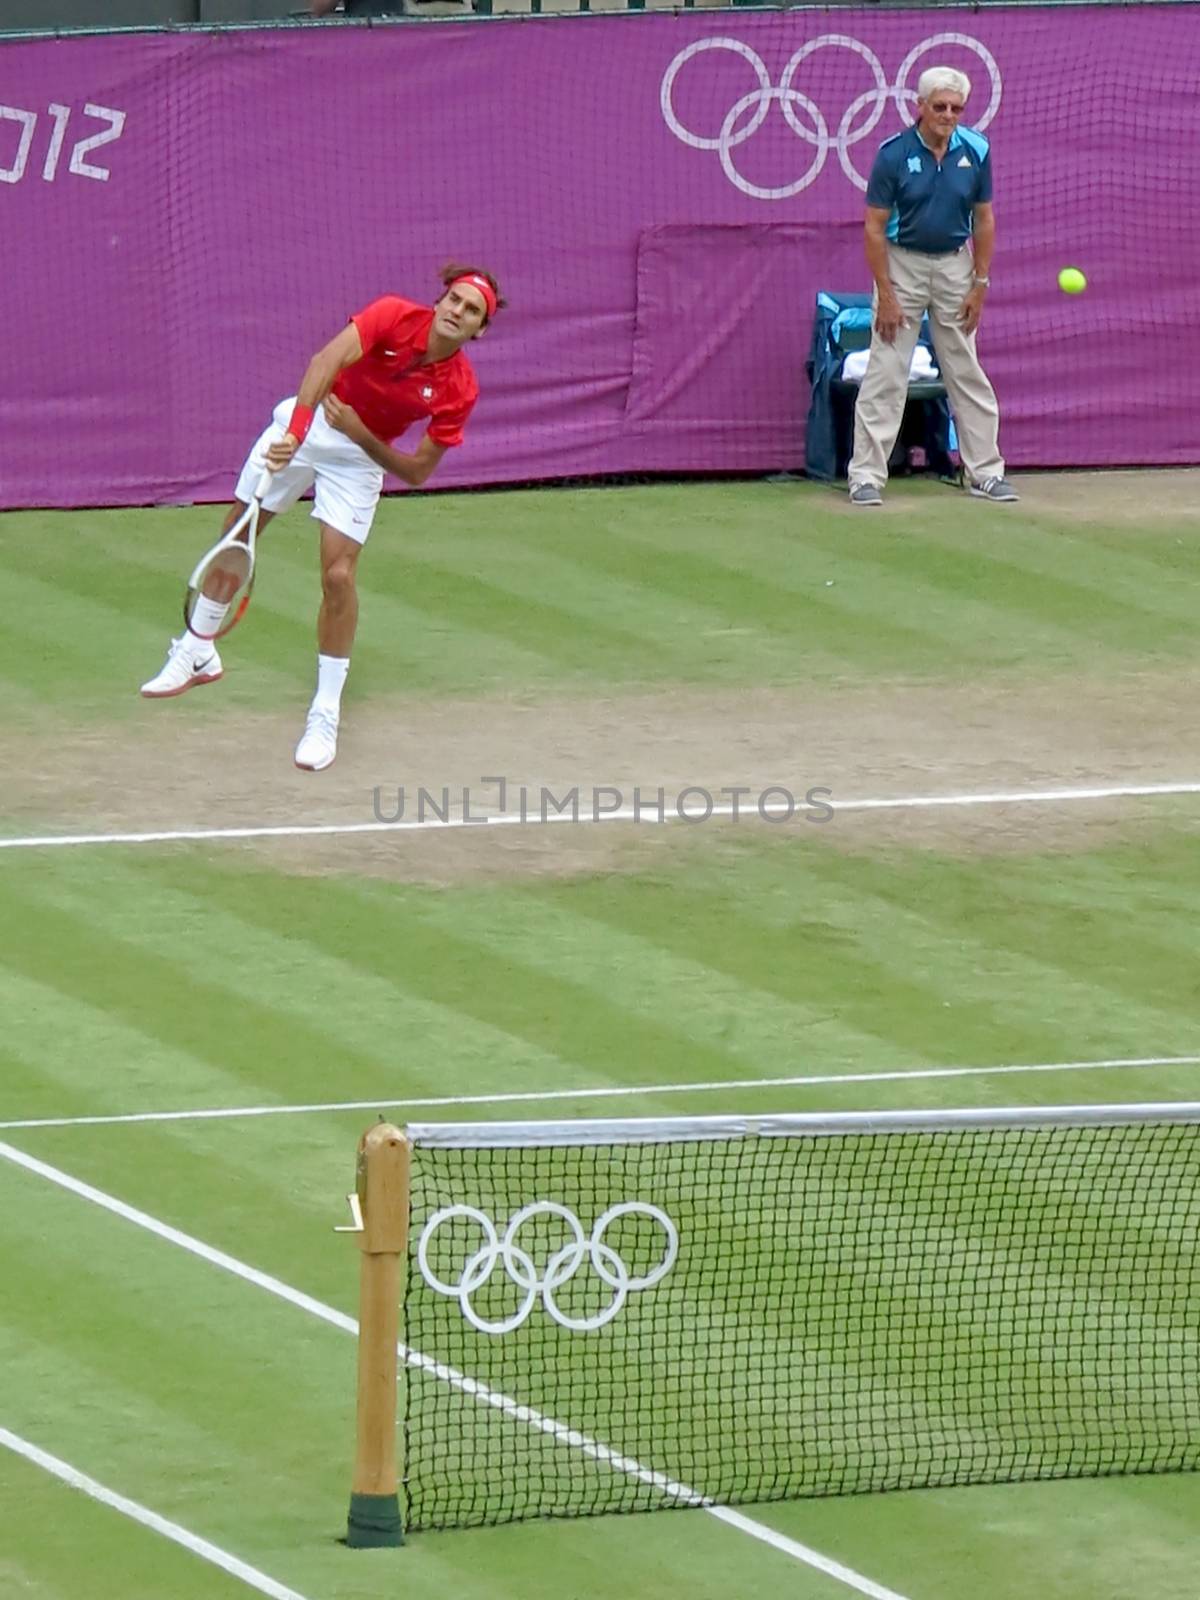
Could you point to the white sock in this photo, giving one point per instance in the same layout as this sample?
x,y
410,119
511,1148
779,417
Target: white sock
x,y
331,680
207,617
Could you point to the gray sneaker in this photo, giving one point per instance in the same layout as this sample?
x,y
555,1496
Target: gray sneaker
x,y
865,494
994,489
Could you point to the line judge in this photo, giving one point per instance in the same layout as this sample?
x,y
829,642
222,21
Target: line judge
x,y
930,232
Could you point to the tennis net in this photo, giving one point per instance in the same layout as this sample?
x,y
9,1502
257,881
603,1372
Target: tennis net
x,y
618,1316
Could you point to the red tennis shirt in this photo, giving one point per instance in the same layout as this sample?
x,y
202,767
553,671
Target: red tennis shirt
x,y
390,388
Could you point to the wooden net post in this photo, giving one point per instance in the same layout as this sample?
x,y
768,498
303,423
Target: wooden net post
x,y
381,1224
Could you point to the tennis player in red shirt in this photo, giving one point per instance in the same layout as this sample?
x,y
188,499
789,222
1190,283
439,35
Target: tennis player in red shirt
x,y
395,363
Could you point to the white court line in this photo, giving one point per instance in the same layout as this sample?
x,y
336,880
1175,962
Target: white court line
x,y
642,814
803,1552
149,1519
458,1380
623,1092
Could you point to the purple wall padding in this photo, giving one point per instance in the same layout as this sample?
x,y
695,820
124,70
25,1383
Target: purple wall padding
x,y
187,216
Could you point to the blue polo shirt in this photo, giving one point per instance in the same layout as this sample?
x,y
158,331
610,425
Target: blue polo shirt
x,y
931,202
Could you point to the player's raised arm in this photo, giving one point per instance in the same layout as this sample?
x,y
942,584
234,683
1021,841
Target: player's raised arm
x,y
342,351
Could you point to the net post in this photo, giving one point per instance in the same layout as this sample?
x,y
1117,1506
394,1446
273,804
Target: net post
x,y
384,1161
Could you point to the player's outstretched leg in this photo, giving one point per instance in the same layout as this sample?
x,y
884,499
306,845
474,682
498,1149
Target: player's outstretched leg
x,y
190,661
318,743
336,625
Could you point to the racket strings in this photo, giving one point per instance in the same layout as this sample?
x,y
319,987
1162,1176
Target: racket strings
x,y
219,592
228,572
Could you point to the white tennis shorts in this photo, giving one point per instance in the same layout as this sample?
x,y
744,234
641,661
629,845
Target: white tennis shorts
x,y
346,483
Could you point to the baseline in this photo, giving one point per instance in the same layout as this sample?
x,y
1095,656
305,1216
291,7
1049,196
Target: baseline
x,y
637,814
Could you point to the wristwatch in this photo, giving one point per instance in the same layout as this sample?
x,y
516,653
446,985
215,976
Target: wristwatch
x,y
986,282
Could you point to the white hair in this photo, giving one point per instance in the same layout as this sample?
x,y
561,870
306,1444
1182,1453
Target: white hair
x,y
934,78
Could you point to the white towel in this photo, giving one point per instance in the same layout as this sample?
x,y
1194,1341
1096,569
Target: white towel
x,y
920,368
921,365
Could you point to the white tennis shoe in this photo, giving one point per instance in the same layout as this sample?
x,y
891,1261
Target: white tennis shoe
x,y
189,661
318,746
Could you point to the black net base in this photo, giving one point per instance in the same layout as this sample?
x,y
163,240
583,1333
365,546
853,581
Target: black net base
x,y
836,1315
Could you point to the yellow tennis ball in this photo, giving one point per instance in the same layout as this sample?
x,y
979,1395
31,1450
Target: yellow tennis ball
x,y
1072,281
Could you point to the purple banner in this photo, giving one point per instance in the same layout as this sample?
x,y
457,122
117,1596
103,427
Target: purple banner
x,y
188,216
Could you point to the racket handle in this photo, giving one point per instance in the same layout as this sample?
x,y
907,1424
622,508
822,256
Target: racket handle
x,y
264,483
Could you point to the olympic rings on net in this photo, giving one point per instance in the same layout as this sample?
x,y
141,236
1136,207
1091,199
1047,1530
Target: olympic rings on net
x,y
873,100
503,1250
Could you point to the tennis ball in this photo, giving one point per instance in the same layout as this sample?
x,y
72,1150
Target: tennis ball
x,y
1072,281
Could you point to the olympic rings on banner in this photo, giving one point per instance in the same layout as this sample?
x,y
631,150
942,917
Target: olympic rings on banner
x,y
794,103
562,1266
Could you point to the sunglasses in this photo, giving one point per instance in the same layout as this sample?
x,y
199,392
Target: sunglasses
x,y
944,105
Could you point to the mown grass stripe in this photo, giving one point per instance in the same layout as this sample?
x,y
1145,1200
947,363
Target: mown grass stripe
x,y
877,992
1065,940
573,641
1158,874
408,1039
1043,598
181,999
755,598
666,632
71,1051
935,916
557,935
590,1032
836,587
451,601
813,930
1125,573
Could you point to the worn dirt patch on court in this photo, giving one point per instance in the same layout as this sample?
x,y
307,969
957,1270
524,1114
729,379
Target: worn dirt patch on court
x,y
1125,499
1147,501
189,765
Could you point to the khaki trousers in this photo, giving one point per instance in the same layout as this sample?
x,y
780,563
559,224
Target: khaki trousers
x,y
937,284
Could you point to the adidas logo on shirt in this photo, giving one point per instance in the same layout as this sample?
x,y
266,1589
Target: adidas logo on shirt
x,y
964,161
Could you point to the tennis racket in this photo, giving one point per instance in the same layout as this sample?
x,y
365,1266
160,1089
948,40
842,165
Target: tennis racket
x,y
225,575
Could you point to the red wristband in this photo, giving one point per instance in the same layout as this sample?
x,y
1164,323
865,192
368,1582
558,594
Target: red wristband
x,y
302,421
